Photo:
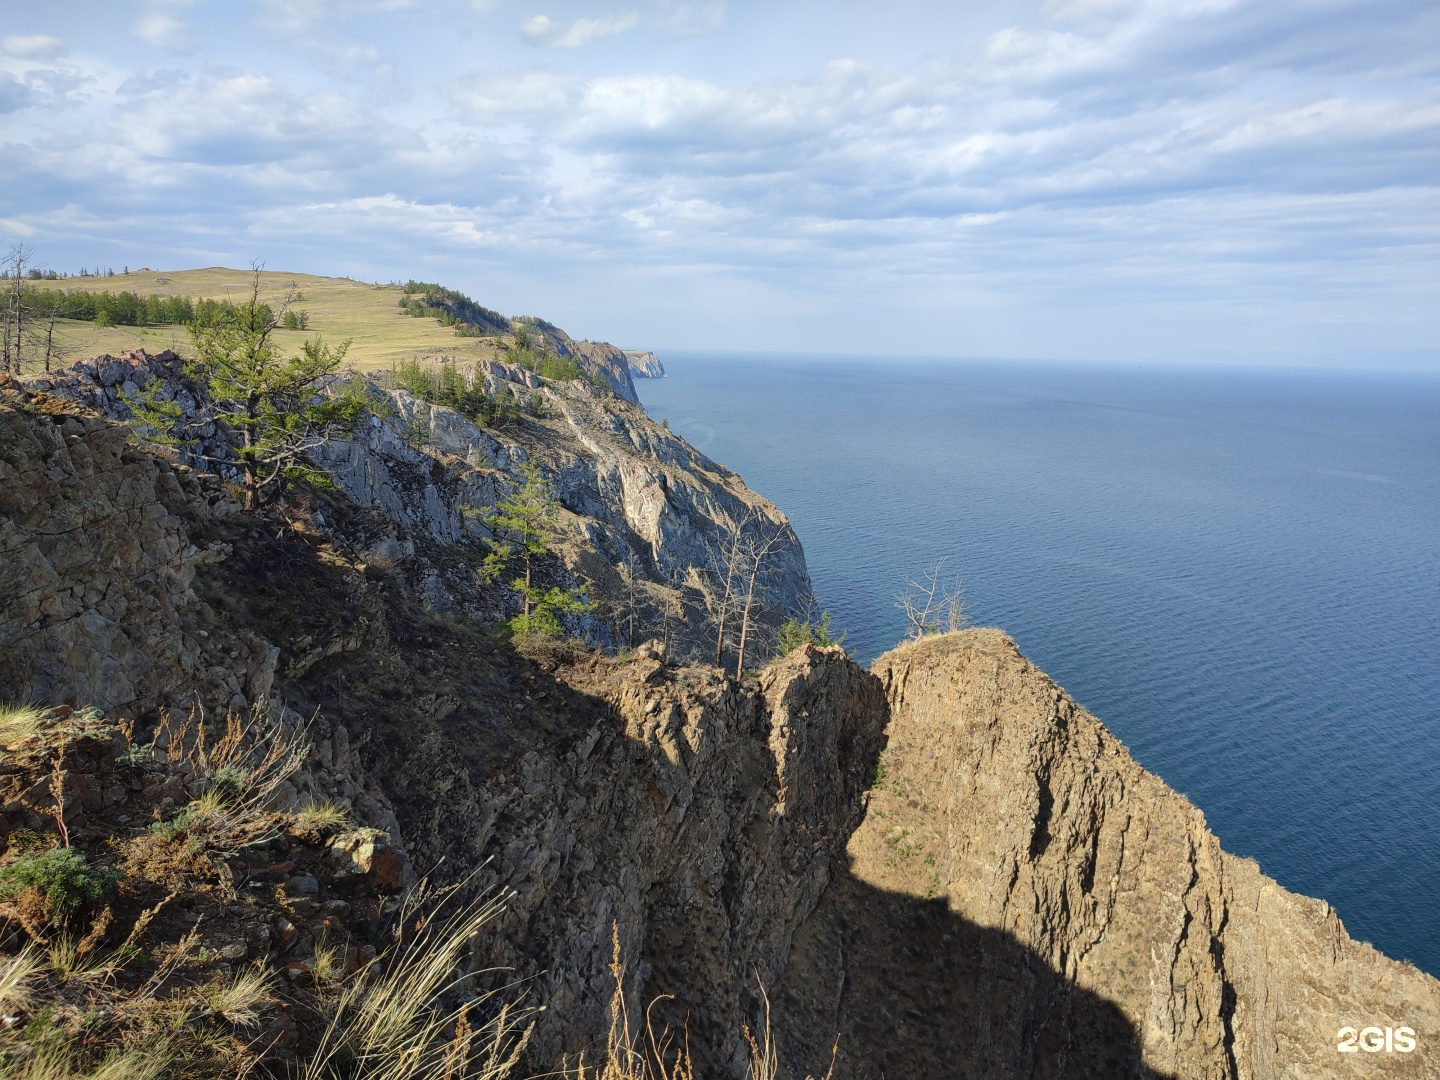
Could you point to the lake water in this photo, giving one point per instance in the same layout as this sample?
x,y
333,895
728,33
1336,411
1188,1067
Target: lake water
x,y
1238,571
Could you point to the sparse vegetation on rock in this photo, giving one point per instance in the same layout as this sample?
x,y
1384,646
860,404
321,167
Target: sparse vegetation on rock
x,y
944,859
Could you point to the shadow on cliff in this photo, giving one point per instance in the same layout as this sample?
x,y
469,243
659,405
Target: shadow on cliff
x,y
437,703
917,992
914,990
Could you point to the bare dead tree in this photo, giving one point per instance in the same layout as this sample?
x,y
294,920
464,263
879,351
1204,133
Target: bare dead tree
x,y
757,553
932,605
47,313
727,568
14,336
629,603
672,608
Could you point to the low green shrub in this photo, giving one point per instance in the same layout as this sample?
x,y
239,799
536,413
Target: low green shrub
x,y
796,633
63,876
230,784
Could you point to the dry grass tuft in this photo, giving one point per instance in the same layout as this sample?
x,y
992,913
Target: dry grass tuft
x,y
139,1064
16,972
246,766
321,816
666,1056
238,1002
69,963
391,1024
19,721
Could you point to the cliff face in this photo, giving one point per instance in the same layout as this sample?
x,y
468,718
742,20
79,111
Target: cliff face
x,y
699,818
98,592
94,565
643,505
1078,918
644,364
595,357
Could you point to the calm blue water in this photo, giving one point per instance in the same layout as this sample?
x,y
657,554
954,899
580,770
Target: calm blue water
x,y
1239,572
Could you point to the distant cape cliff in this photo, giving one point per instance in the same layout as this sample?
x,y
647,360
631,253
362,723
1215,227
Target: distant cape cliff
x,y
644,364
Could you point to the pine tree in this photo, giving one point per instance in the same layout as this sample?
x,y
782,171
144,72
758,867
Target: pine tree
x,y
276,404
526,525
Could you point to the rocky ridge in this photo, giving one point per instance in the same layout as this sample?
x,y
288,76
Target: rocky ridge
x,y
595,357
1076,916
735,798
642,504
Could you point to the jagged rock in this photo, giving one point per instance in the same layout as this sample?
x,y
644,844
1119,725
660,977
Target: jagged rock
x,y
703,825
637,495
368,854
94,564
595,357
1078,917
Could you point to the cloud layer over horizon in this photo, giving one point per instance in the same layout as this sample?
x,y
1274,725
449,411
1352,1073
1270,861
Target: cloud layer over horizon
x,y
1128,179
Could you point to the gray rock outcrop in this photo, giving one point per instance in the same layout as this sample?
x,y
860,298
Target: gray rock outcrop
x,y
595,357
644,364
95,566
643,505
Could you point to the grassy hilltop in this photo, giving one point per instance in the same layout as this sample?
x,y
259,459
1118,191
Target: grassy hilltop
x,y
338,308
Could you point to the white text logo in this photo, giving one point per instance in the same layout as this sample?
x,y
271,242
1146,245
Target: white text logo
x,y
1374,1040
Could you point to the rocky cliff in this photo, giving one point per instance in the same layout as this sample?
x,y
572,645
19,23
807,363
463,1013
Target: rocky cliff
x,y
647,514
1012,897
700,818
697,816
596,357
644,364
1023,900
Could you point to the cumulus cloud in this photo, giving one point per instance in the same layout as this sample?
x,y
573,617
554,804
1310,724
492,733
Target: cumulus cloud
x,y
547,33
33,46
1152,145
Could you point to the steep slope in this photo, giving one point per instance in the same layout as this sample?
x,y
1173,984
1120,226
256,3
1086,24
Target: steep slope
x,y
1051,876
648,514
696,815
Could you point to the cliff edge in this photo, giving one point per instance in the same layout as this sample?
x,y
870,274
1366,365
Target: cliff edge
x,y
1024,900
644,364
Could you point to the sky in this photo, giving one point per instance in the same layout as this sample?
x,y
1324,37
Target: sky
x,y
1213,181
